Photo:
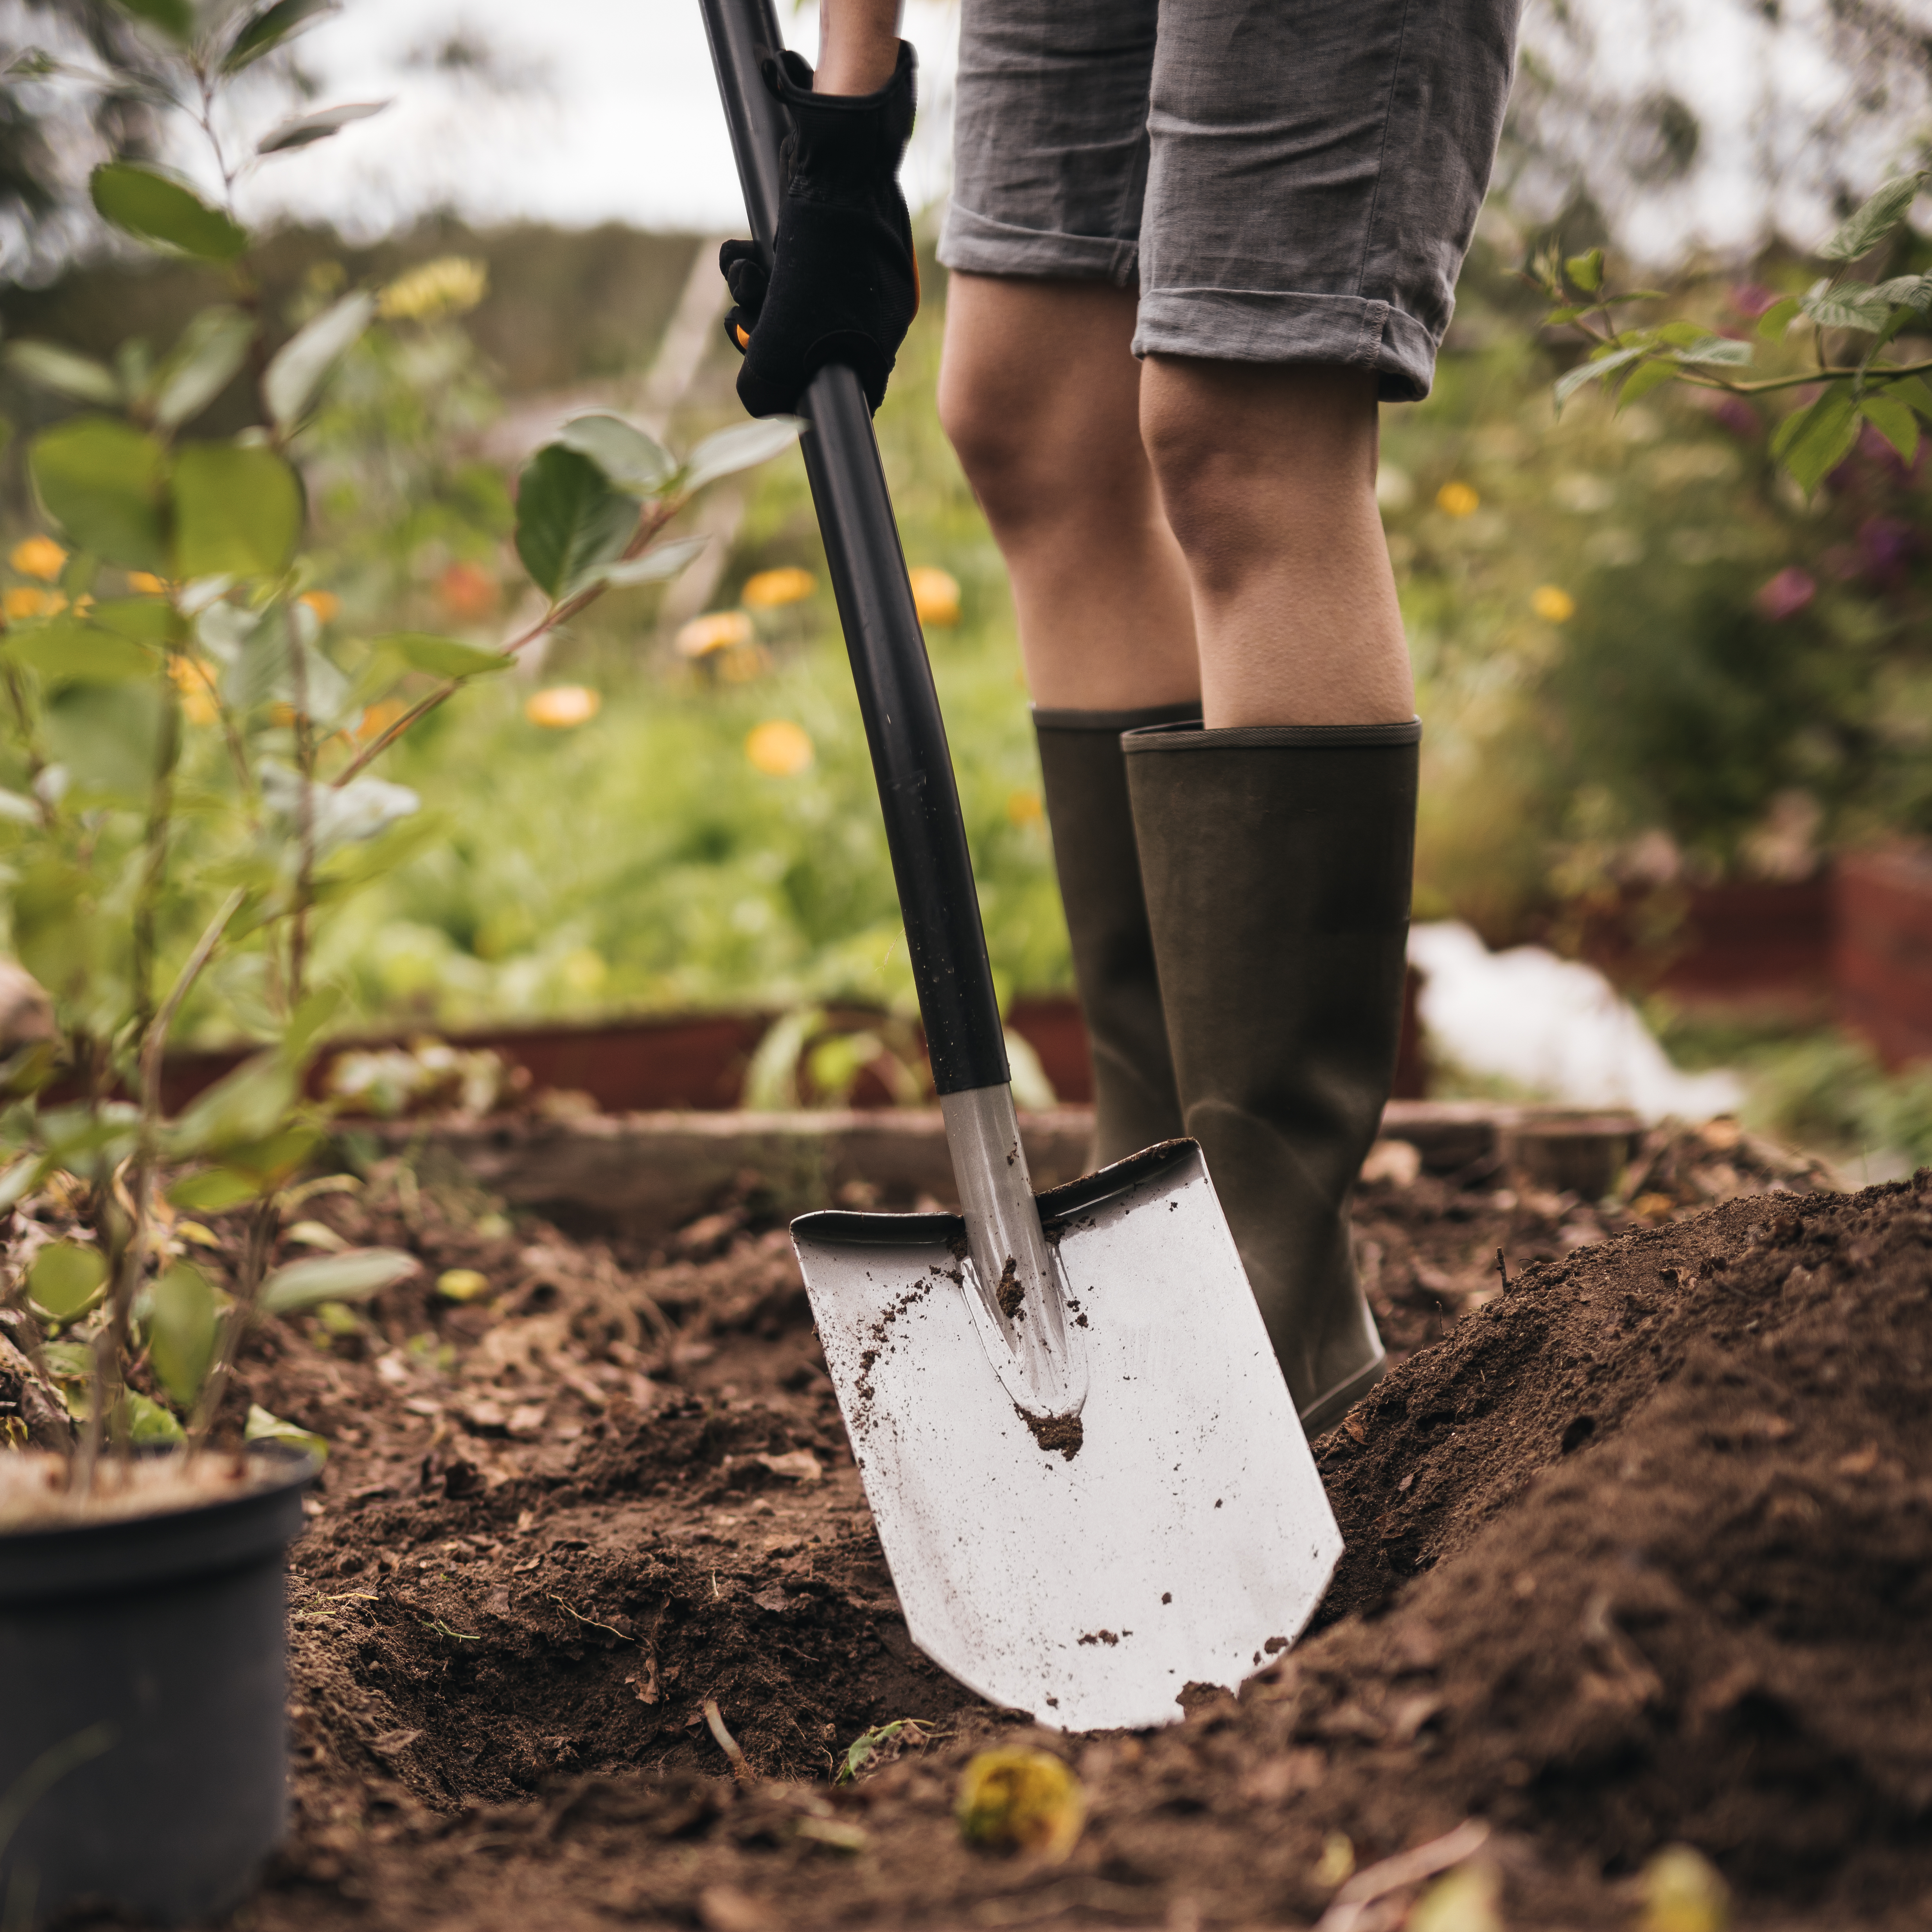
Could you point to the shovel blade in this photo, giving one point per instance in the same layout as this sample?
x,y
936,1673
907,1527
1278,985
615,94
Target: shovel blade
x,y
1185,1540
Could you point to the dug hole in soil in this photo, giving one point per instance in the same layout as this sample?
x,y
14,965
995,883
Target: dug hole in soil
x,y
1639,1552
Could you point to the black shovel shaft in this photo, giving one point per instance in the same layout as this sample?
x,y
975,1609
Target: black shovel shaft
x,y
910,761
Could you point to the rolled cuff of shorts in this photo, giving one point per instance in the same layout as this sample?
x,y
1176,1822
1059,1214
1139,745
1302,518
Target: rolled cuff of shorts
x,y
1262,325
977,245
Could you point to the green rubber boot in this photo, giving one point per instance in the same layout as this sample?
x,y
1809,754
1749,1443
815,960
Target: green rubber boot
x,y
1084,773
1277,861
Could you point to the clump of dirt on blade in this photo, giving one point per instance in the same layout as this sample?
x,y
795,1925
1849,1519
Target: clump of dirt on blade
x,y
1638,1551
1065,1433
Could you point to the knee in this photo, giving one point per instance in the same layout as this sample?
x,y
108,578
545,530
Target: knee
x,y
1246,455
1051,453
993,433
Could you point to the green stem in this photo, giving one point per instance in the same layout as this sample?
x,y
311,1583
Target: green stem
x,y
652,521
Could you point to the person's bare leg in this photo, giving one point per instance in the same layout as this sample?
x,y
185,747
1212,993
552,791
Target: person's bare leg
x,y
1041,397
1267,474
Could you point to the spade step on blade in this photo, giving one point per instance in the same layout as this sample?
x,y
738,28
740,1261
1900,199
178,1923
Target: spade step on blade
x,y
1087,1474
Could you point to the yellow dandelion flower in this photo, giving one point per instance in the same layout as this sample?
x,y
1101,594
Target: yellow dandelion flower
x,y
719,631
1023,807
195,681
38,556
935,596
326,605
1457,500
451,285
145,584
561,706
771,588
778,747
1552,605
23,601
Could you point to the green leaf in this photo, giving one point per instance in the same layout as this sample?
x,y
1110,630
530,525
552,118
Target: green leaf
x,y
148,1423
1876,219
211,349
1912,291
65,1277
1913,389
305,129
47,366
1719,349
1812,442
182,1331
1645,377
175,18
19,810
247,1105
442,657
68,1361
1558,316
1681,334
1776,318
1849,305
1599,366
739,448
157,207
1586,271
304,360
352,1276
266,31
569,518
653,567
214,1190
147,620
1894,421
108,735
67,652
262,1427
631,460
274,1159
237,507
105,484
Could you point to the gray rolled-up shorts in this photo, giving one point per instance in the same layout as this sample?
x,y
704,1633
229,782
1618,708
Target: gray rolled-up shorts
x,y
1286,180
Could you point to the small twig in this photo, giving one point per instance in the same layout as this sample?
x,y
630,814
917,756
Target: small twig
x,y
741,1765
1502,1268
1346,1910
304,814
591,1622
652,521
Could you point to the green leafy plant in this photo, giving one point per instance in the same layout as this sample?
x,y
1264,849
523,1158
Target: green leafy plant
x,y
184,782
1852,389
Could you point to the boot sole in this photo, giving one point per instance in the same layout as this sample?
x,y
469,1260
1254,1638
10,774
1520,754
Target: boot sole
x,y
1327,1410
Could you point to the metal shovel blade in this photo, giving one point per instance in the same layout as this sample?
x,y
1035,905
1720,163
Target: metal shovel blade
x,y
1087,1571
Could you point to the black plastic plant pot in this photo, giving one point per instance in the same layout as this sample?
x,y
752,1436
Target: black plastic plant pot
x,y
143,1721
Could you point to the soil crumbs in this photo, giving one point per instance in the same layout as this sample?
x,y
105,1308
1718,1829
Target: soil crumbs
x,y
1640,1553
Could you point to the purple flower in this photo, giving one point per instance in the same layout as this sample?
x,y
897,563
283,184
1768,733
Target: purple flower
x,y
1786,594
1885,547
1736,414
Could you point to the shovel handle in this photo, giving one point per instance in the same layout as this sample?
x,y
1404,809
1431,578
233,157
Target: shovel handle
x,y
924,832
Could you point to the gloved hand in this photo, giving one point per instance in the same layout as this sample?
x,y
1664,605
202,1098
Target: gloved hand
x,y
843,285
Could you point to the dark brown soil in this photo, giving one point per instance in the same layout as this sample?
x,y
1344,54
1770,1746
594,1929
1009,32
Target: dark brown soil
x,y
1640,1553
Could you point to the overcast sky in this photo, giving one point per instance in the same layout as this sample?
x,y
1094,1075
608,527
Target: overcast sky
x,y
616,117
611,111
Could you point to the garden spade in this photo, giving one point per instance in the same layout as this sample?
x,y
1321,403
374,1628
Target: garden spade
x,y
1087,1472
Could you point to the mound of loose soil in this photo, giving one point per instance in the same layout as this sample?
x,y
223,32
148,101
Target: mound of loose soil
x,y
1639,1551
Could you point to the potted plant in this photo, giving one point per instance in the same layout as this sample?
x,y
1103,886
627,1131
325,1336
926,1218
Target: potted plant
x,y
184,790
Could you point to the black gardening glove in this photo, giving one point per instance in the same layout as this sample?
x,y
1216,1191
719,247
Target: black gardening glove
x,y
843,285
